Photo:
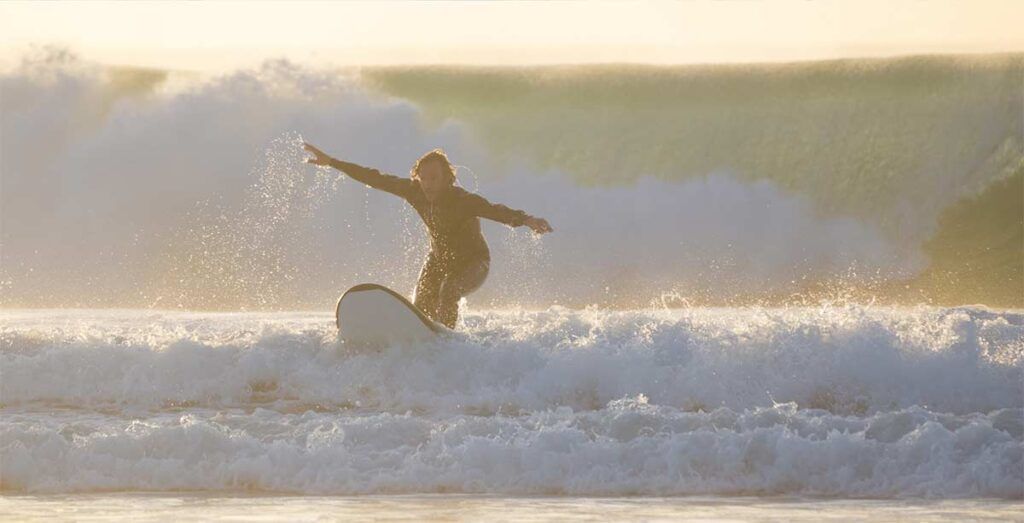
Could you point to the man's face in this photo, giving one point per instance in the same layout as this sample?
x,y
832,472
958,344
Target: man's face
x,y
432,180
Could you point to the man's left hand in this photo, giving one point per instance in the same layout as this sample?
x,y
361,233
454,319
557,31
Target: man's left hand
x,y
539,225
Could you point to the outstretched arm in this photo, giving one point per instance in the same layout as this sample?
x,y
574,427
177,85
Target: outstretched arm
x,y
481,207
372,177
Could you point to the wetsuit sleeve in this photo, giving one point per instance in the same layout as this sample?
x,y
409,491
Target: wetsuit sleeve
x,y
386,182
479,206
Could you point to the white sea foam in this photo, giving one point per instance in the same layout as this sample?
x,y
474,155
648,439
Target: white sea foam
x,y
837,401
845,359
627,447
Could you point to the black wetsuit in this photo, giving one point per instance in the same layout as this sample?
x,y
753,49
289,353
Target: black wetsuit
x,y
459,259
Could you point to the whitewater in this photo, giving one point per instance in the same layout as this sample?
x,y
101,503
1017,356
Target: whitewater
x,y
836,401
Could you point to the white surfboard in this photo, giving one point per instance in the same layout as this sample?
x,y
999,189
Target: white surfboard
x,y
372,314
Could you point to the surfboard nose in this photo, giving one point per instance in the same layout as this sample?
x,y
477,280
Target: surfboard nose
x,y
372,314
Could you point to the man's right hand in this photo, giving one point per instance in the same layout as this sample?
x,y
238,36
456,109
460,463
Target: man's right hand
x,y
319,157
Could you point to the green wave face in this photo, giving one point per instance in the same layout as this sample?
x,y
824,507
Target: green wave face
x,y
865,137
978,253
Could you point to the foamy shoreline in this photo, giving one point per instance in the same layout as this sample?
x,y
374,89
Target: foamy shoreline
x,y
192,506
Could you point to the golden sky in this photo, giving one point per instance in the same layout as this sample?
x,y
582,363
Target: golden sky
x,y
213,35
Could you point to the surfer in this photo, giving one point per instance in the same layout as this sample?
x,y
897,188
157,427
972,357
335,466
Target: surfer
x,y
459,258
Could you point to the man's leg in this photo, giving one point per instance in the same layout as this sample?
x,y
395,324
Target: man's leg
x,y
428,287
458,284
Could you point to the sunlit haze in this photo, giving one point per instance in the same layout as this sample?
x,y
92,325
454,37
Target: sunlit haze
x,y
215,35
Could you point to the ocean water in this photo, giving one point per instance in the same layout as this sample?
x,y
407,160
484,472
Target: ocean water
x,y
833,402
779,291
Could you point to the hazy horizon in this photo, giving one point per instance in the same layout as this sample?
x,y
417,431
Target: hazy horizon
x,y
208,36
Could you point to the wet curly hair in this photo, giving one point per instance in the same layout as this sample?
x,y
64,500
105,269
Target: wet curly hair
x,y
436,155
